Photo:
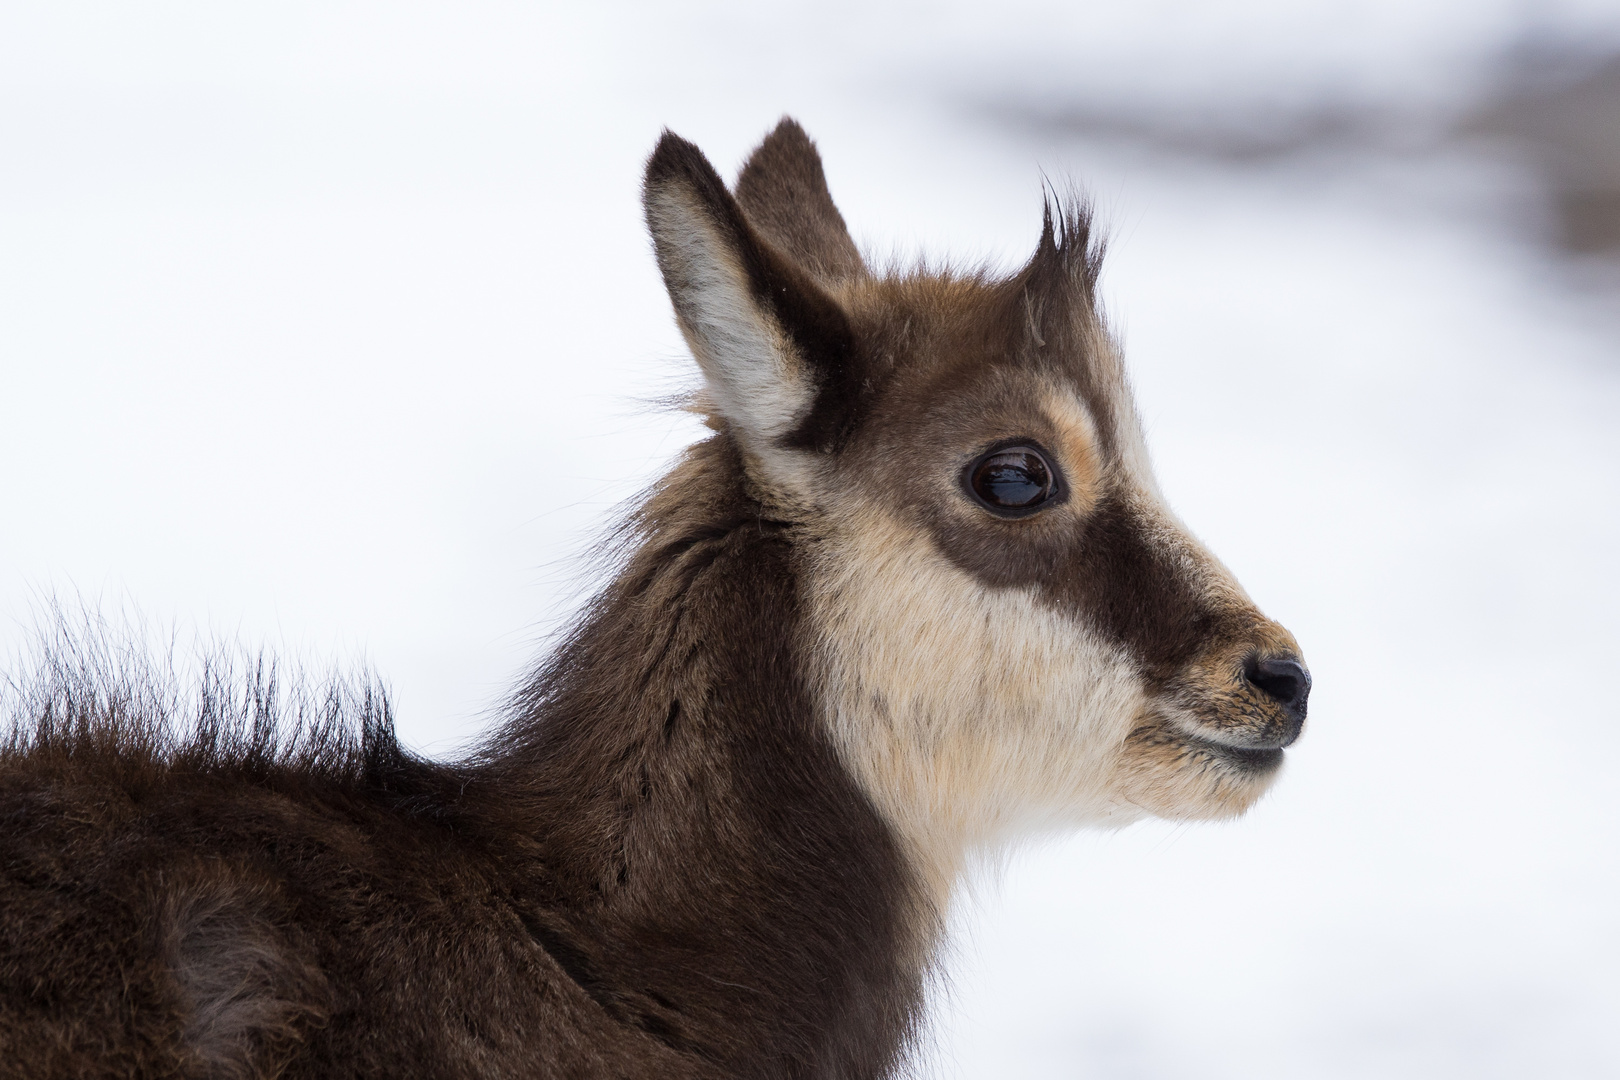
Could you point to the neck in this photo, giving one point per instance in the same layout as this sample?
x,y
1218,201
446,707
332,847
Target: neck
x,y
702,863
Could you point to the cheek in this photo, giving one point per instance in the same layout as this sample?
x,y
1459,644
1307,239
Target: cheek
x,y
940,685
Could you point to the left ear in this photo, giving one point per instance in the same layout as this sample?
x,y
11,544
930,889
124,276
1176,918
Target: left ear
x,y
783,190
777,352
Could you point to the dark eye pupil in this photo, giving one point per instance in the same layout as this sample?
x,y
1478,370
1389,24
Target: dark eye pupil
x,y
1015,478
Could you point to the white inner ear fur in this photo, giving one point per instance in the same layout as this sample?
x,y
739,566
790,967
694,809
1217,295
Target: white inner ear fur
x,y
971,716
754,376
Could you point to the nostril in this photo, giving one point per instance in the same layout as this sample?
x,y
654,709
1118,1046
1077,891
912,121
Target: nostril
x,y
1286,681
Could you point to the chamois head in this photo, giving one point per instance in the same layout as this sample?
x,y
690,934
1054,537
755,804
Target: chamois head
x,y
1008,629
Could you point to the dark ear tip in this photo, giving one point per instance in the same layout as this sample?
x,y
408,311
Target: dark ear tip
x,y
788,142
789,130
676,159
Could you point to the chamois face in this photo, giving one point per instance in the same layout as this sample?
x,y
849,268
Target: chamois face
x,y
1009,629
1079,656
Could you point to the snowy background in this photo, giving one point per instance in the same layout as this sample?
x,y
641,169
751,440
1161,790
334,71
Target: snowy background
x,y
333,327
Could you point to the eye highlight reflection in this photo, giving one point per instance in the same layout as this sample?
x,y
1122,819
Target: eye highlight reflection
x,y
1012,481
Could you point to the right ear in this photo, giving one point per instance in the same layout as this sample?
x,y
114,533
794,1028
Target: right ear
x,y
777,352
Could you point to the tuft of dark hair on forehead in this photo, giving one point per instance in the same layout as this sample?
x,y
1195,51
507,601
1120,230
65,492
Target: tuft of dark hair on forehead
x,y
1069,248
1054,296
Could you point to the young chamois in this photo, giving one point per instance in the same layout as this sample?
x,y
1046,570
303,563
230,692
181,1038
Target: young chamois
x,y
916,596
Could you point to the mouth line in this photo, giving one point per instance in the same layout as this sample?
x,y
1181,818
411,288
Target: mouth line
x,y
1249,760
1204,728
1199,750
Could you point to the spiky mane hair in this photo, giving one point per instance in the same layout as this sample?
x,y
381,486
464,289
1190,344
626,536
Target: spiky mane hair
x,y
1069,253
1069,241
98,698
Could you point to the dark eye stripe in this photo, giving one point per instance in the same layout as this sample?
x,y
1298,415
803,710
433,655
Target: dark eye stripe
x,y
1012,481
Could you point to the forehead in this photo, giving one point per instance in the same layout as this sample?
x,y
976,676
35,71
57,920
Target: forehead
x,y
952,356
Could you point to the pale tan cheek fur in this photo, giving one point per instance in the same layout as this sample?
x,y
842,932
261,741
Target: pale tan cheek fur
x,y
970,715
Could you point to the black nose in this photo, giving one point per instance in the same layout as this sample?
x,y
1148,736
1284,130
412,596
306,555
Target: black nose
x,y
1285,681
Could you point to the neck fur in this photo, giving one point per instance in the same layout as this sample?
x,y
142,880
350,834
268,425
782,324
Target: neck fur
x,y
702,861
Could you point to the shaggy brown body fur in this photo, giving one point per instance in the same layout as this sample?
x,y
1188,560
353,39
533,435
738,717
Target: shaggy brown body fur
x,y
642,878
715,836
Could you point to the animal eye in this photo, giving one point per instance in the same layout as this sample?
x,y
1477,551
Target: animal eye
x,y
1012,480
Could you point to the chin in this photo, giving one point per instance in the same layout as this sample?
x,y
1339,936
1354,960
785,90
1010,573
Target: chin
x,y
1183,777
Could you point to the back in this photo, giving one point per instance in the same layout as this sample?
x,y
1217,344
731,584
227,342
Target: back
x,y
164,919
